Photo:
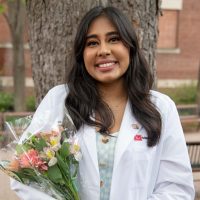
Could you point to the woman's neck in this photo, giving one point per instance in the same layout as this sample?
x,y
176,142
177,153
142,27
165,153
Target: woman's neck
x,y
115,96
114,93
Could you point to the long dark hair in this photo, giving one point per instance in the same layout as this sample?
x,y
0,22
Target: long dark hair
x,y
84,98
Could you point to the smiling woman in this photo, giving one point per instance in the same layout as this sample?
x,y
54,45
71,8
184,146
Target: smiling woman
x,y
131,138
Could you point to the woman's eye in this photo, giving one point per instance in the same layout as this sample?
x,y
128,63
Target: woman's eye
x,y
115,39
91,43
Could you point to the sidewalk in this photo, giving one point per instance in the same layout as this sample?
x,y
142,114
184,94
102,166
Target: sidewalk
x,y
195,137
6,193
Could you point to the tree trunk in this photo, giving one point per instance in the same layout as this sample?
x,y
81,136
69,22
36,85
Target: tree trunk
x,y
144,15
16,18
53,26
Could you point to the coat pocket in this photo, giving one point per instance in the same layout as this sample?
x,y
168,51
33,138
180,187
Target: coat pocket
x,y
138,193
138,161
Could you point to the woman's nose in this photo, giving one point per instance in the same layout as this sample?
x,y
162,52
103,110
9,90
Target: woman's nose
x,y
104,50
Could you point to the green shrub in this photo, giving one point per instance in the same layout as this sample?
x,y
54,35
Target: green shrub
x,y
6,102
181,95
30,103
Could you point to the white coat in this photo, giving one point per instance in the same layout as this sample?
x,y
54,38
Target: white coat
x,y
139,173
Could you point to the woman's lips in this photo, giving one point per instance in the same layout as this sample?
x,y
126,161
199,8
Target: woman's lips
x,y
106,66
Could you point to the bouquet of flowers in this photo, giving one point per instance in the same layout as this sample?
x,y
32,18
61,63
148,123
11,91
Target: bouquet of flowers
x,y
46,160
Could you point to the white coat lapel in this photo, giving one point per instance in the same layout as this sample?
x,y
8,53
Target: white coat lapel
x,y
129,128
89,137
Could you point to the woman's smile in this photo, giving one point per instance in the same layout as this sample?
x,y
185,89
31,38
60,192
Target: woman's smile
x,y
106,65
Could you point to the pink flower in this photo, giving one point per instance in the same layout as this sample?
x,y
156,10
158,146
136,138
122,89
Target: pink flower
x,y
14,165
32,159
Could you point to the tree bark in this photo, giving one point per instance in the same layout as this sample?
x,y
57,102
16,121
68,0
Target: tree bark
x,y
53,26
16,19
144,15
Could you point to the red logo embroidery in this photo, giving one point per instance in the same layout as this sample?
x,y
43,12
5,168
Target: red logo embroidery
x,y
138,138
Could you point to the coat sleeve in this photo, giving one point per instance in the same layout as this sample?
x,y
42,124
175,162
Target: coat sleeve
x,y
44,115
174,180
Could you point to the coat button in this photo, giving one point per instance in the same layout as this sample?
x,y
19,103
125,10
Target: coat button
x,y
135,126
101,183
105,139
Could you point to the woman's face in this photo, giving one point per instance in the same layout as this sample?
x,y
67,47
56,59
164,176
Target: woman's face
x,y
105,56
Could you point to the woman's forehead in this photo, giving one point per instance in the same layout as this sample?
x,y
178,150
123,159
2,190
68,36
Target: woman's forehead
x,y
101,24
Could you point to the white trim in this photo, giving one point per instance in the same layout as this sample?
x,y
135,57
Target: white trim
x,y
7,81
172,83
168,51
9,45
172,4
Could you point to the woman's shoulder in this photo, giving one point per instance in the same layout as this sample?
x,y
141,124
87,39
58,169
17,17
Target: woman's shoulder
x,y
158,96
59,89
56,95
161,101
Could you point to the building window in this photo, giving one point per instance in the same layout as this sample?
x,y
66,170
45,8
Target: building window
x,y
168,27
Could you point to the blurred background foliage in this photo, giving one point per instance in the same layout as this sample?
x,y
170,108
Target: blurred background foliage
x,y
186,94
7,102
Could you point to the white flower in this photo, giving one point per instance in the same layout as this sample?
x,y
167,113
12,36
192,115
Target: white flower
x,y
49,152
69,140
74,147
55,141
56,147
78,156
52,162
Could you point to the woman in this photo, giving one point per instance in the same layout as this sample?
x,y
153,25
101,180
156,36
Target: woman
x,y
131,138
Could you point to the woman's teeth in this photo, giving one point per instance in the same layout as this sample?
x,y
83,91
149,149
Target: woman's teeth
x,y
106,64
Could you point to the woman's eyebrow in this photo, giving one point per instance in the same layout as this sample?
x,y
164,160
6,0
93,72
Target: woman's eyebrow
x,y
91,36
112,33
107,34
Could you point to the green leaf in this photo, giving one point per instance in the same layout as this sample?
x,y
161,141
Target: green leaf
x,y
26,174
17,177
40,144
75,172
54,174
65,150
22,148
69,181
64,167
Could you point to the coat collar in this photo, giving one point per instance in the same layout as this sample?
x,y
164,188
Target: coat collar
x,y
129,128
89,138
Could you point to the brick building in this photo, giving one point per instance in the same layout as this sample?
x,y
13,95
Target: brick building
x,y
178,55
178,46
